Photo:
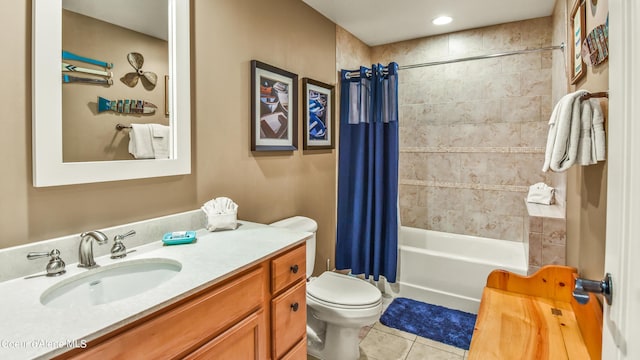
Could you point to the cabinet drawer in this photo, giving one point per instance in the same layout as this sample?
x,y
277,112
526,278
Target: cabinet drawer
x,y
173,332
245,340
299,352
289,319
288,268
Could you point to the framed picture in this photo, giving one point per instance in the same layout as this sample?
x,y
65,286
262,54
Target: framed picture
x,y
318,123
274,108
577,30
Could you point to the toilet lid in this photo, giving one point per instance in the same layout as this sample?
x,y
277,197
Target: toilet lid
x,y
341,289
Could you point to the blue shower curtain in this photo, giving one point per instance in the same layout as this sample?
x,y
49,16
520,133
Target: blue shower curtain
x,y
367,235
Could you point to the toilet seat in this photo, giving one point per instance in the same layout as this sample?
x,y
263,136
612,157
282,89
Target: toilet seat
x,y
342,291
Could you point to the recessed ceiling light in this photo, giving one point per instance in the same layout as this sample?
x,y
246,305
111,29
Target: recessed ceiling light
x,y
442,20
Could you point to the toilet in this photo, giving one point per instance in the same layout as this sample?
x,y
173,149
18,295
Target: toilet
x,y
338,305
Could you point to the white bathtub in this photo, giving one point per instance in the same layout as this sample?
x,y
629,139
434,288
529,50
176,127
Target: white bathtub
x,y
450,269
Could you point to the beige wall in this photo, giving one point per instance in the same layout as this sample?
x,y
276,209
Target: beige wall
x,y
86,134
226,35
587,186
472,134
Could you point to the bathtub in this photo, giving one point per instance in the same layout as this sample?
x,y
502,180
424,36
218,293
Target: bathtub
x,y
450,269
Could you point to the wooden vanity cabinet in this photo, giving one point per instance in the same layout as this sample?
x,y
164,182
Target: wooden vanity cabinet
x,y
288,305
257,313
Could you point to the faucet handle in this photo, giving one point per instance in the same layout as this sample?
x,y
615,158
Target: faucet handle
x,y
55,266
118,250
125,235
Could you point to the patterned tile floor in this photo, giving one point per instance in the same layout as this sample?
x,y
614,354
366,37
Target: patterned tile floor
x,y
380,342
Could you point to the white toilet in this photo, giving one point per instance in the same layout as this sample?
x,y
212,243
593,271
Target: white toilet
x,y
338,306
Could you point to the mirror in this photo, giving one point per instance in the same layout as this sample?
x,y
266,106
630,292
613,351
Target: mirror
x,y
62,138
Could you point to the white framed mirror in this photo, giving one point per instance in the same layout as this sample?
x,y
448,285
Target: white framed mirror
x,y
50,168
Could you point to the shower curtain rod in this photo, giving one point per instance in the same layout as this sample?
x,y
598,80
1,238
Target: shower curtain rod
x,y
354,74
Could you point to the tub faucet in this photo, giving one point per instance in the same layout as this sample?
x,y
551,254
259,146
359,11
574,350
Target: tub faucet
x,y
85,251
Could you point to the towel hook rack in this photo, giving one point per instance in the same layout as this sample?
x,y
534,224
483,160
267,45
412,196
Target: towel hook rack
x,y
602,94
122,127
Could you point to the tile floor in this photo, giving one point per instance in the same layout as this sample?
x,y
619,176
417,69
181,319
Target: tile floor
x,y
380,342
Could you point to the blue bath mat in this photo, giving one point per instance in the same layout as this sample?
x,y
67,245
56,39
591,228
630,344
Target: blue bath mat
x,y
452,327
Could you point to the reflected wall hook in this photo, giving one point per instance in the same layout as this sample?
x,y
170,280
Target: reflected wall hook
x,y
584,287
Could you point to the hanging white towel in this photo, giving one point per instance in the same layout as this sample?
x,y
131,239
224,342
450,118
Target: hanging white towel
x,y
160,141
598,136
564,133
140,141
586,151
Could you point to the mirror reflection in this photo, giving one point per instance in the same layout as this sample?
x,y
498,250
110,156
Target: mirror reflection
x,y
115,66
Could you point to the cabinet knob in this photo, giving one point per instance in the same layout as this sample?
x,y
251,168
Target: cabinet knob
x,y
294,306
294,269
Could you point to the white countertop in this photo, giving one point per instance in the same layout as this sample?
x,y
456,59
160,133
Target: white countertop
x,y
31,330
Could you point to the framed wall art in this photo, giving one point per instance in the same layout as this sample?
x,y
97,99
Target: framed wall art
x,y
318,118
274,108
577,29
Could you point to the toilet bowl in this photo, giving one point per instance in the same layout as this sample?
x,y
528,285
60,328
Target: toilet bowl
x,y
338,305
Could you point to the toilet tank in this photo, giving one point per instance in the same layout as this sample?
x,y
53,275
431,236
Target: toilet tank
x,y
301,223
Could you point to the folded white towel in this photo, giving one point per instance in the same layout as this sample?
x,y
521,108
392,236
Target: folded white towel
x,y
598,136
541,193
564,133
140,144
222,214
586,155
160,141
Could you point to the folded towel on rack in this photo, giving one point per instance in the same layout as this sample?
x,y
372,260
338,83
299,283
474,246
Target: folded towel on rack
x,y
598,136
160,141
140,141
586,151
564,133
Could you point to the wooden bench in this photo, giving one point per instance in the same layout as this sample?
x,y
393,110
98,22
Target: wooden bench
x,y
535,318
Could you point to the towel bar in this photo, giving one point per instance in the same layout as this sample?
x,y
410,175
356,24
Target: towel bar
x,y
602,94
122,127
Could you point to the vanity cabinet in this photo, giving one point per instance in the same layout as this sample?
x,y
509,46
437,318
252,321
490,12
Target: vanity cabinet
x,y
288,305
256,313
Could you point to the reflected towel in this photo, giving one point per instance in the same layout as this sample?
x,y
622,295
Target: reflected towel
x,y
140,141
160,141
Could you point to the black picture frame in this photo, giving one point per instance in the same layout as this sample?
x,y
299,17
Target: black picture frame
x,y
274,108
577,31
319,115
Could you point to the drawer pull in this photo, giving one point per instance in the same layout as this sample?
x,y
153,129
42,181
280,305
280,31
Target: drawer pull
x,y
294,306
294,269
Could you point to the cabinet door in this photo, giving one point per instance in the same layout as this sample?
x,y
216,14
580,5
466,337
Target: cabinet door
x,y
245,340
289,319
299,352
171,333
288,268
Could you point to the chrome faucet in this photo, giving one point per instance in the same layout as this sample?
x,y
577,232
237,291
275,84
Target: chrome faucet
x,y
85,251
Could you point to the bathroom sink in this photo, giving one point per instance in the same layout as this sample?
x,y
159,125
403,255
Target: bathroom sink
x,y
110,283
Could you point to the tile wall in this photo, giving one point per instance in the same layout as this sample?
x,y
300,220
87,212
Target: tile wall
x,y
547,242
472,134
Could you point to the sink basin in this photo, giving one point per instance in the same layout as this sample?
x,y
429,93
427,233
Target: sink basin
x,y
110,283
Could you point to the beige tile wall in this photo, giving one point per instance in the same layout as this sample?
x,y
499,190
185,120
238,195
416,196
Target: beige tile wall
x,y
547,242
472,134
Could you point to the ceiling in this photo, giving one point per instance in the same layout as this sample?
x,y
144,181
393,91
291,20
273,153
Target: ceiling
x,y
378,22
144,16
